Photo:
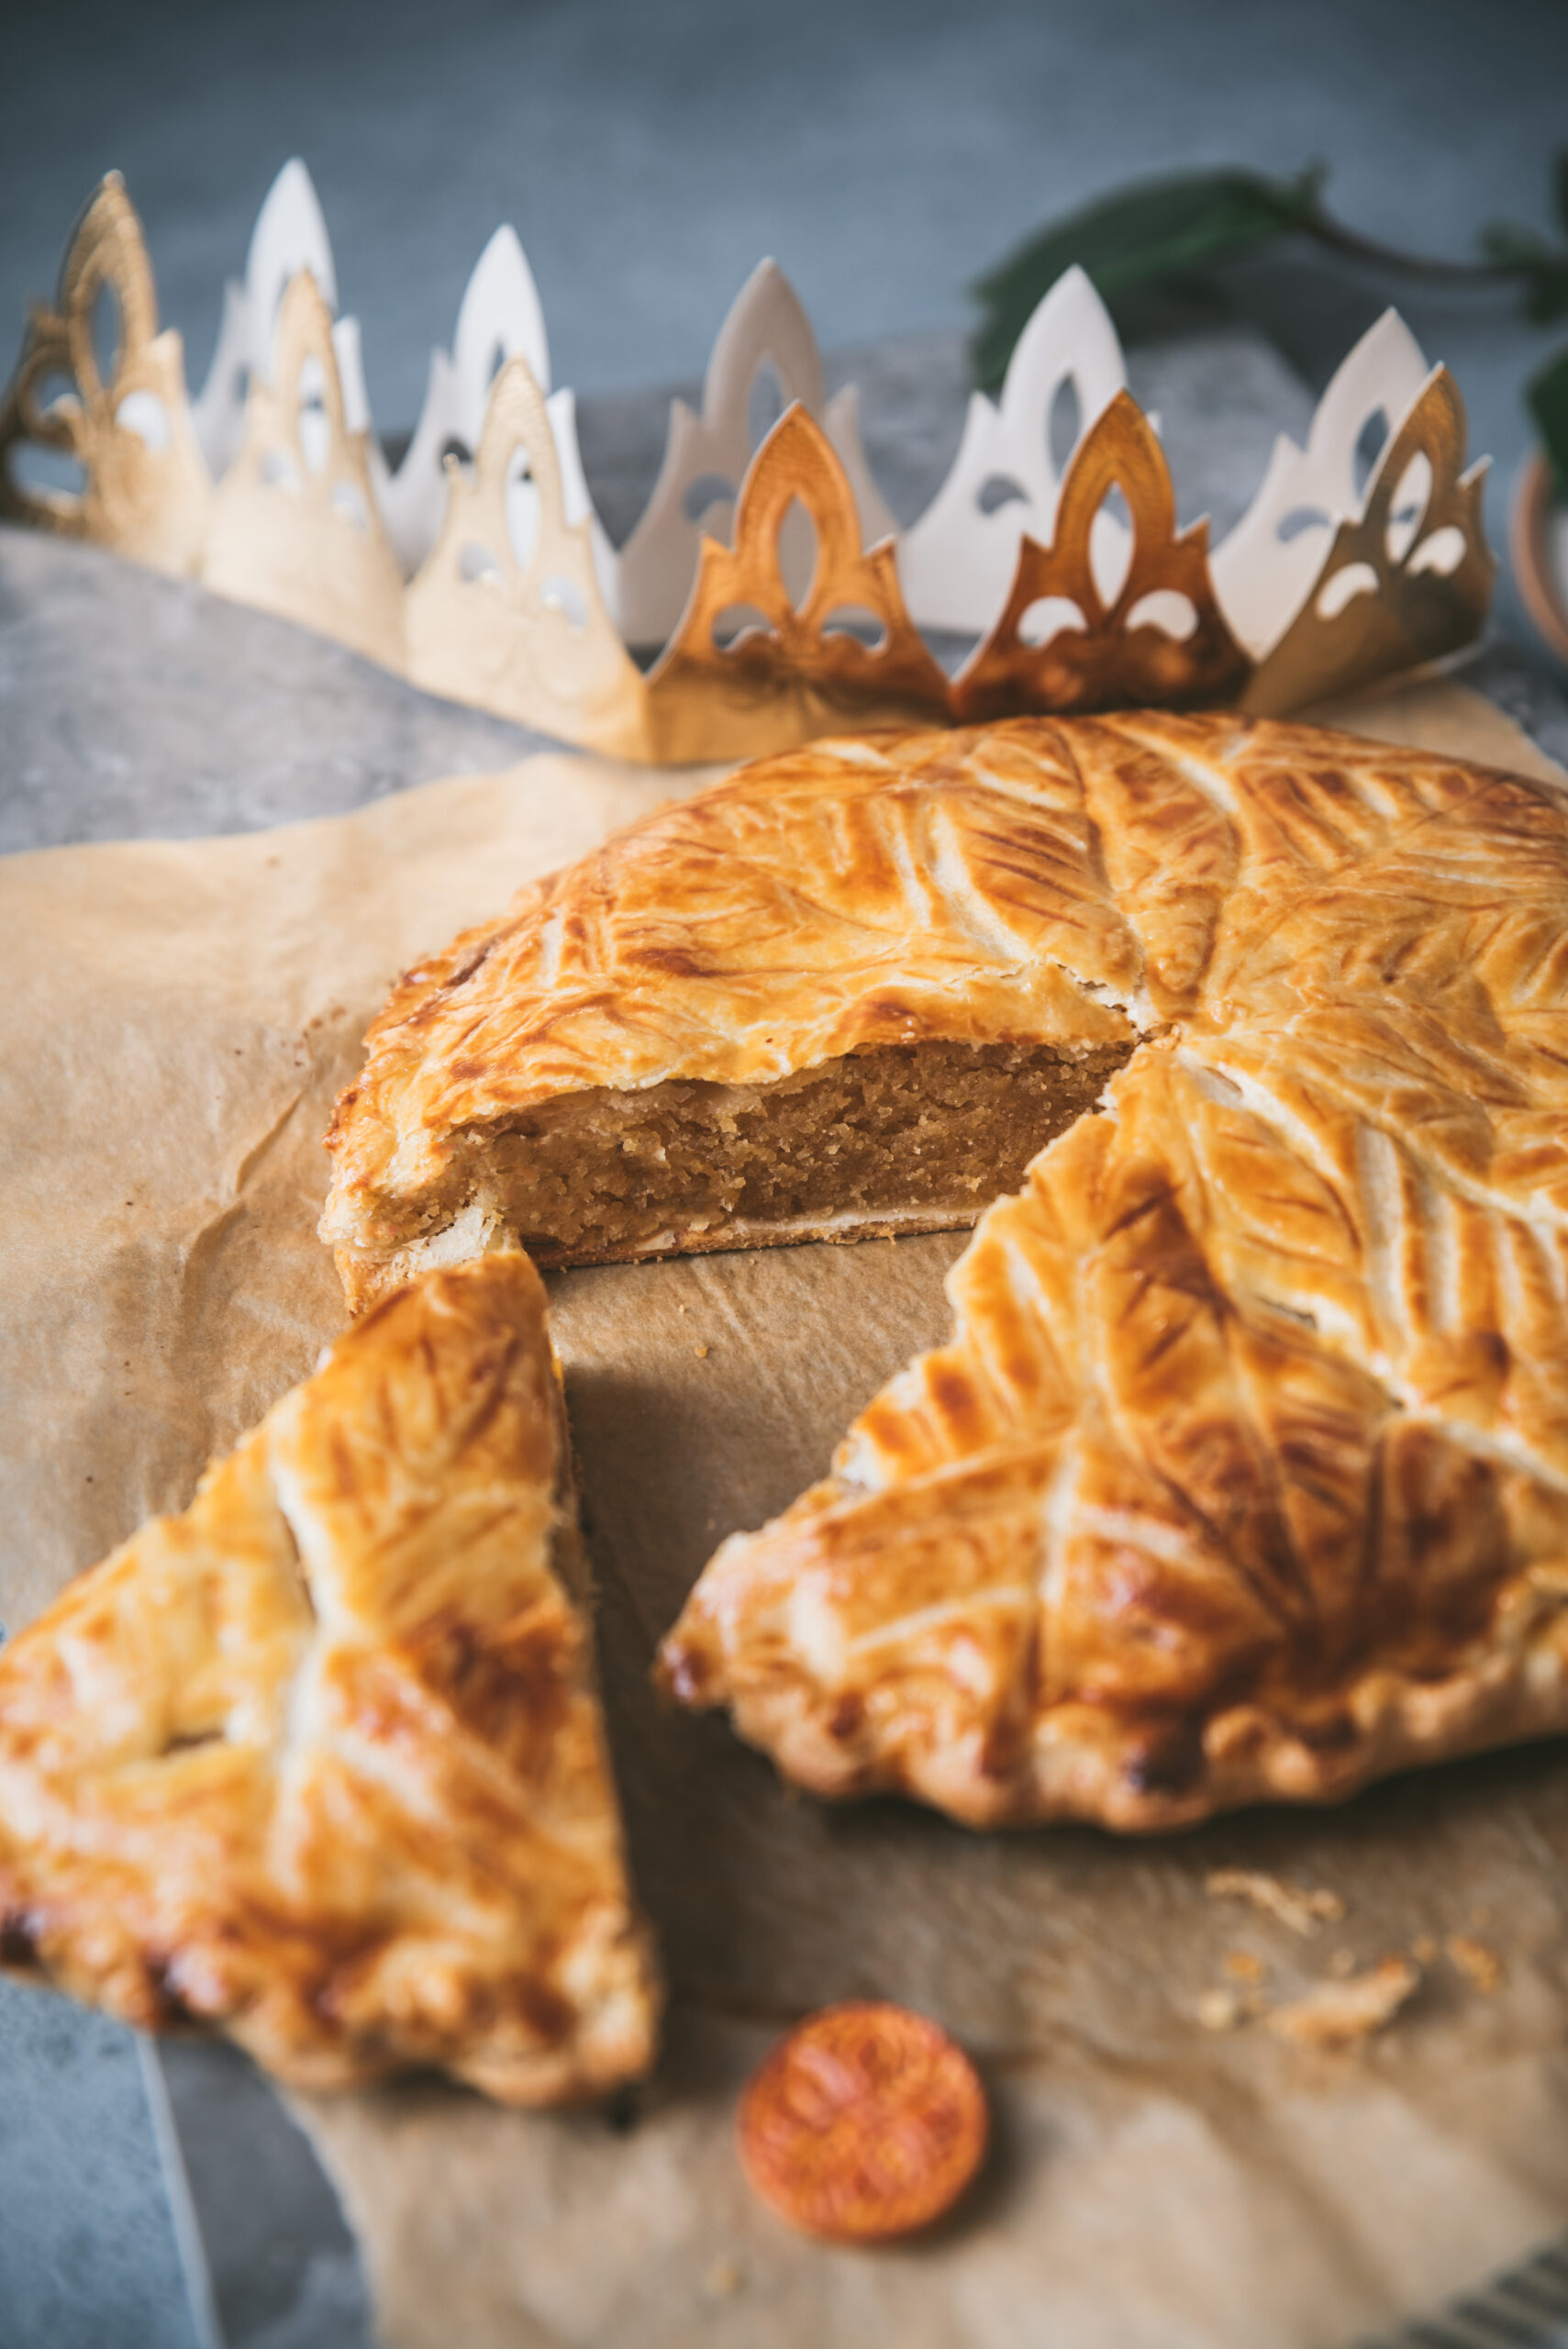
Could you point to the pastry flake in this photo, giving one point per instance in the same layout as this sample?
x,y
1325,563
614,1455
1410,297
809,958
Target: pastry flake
x,y
320,1761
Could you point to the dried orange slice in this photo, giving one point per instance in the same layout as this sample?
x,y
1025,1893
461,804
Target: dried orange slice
x,y
865,2121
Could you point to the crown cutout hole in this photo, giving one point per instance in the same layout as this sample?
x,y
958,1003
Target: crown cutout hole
x,y
348,502
522,508
278,471
1443,552
476,563
1299,519
146,416
1064,423
738,620
706,492
106,341
1408,507
565,595
314,426
1166,608
998,490
765,403
798,553
853,621
1046,617
1371,442
1342,588
1110,545
47,473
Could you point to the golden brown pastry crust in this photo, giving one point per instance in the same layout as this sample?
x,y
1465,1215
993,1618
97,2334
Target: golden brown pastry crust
x,y
320,1762
1245,1473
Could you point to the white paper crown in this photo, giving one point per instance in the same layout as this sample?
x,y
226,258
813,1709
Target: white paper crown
x,y
766,564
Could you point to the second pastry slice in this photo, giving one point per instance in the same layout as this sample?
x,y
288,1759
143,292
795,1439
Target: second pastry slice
x,y
320,1762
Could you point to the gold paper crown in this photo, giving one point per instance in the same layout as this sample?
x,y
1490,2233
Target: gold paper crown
x,y
805,617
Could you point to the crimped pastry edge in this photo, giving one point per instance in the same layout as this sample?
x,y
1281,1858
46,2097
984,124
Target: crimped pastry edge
x,y
1248,1755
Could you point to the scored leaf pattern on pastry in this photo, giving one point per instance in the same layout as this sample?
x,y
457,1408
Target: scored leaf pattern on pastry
x,y
1246,1471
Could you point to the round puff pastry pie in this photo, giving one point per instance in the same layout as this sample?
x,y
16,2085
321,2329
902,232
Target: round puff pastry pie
x,y
320,1762
1245,1473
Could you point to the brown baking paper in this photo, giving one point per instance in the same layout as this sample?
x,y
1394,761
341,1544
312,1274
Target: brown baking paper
x,y
177,1019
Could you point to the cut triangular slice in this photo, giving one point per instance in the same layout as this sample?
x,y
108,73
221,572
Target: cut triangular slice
x,y
321,1761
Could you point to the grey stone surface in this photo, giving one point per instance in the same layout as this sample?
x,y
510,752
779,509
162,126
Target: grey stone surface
x,y
88,2254
113,724
282,2263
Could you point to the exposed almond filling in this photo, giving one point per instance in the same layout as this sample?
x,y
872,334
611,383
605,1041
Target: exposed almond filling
x,y
917,1136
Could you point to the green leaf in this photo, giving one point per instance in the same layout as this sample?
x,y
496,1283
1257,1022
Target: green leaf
x,y
1161,229
1548,395
1542,269
1546,291
1513,248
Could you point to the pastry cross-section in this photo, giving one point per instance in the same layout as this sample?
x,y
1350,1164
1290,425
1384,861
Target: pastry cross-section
x,y
320,1762
850,991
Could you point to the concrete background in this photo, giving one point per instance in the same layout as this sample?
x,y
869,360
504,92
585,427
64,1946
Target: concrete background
x,y
885,153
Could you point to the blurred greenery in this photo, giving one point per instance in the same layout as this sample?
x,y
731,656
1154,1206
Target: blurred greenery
x,y
1182,229
1548,396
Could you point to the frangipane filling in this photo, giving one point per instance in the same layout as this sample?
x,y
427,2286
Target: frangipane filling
x,y
912,1135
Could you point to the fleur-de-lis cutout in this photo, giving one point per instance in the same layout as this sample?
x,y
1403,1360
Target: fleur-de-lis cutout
x,y
507,611
751,669
1068,639
1264,569
145,490
957,562
1407,582
295,528
766,334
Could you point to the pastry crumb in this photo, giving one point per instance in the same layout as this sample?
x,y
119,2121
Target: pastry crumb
x,y
1335,2013
1245,1965
1343,1963
722,2278
1219,2011
701,1353
1301,1910
1481,1967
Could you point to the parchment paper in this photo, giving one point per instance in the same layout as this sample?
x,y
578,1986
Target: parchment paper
x,y
177,1017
